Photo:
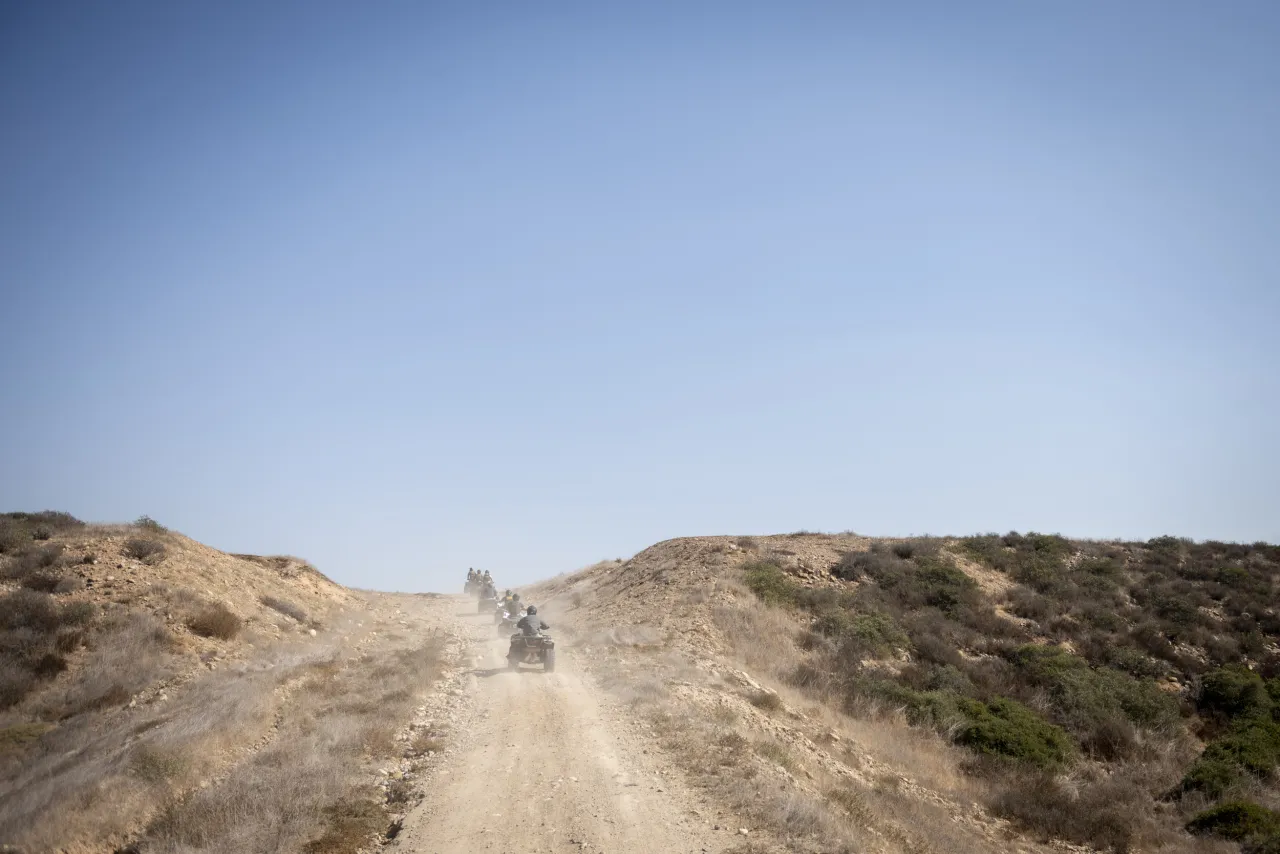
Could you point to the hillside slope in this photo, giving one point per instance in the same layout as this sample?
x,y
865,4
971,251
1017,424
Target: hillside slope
x,y
981,693
161,694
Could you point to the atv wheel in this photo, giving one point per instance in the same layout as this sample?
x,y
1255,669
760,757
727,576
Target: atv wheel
x,y
513,663
549,661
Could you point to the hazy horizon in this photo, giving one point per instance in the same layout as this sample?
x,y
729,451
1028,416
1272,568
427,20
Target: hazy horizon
x,y
420,287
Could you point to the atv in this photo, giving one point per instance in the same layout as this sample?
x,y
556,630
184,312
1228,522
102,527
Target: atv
x,y
507,622
532,649
486,605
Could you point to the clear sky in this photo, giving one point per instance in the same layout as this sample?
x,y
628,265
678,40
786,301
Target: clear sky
x,y
409,287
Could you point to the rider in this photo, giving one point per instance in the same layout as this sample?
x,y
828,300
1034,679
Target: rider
x,y
531,623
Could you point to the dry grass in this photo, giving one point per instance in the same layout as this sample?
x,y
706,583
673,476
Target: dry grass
x,y
272,755
424,743
283,606
17,736
303,792
156,765
775,753
815,794
128,653
782,785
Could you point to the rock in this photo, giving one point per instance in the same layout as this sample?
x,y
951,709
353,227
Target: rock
x,y
744,831
312,633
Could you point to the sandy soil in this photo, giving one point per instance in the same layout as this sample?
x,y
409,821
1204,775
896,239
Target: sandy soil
x,y
549,761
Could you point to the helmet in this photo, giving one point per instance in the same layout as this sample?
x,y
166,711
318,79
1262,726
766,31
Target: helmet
x,y
515,595
533,609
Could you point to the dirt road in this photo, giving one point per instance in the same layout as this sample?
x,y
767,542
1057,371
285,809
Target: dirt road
x,y
548,765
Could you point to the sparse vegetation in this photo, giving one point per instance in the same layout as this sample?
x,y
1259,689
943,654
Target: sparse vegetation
x,y
1113,652
299,792
20,529
36,632
88,672
775,753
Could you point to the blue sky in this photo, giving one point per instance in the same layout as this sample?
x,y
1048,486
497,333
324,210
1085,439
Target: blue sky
x,y
408,287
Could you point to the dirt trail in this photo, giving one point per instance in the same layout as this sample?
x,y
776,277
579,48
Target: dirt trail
x,y
546,766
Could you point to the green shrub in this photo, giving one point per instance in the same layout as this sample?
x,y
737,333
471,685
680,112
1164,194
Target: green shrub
x,y
862,634
1238,820
1250,748
1212,777
770,583
1100,706
1006,728
1130,660
1036,560
935,709
924,581
1253,744
1232,692
146,523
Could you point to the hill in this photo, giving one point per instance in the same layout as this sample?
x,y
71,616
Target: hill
x,y
160,695
748,695
949,694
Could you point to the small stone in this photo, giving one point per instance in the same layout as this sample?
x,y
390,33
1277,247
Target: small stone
x,y
744,831
313,632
